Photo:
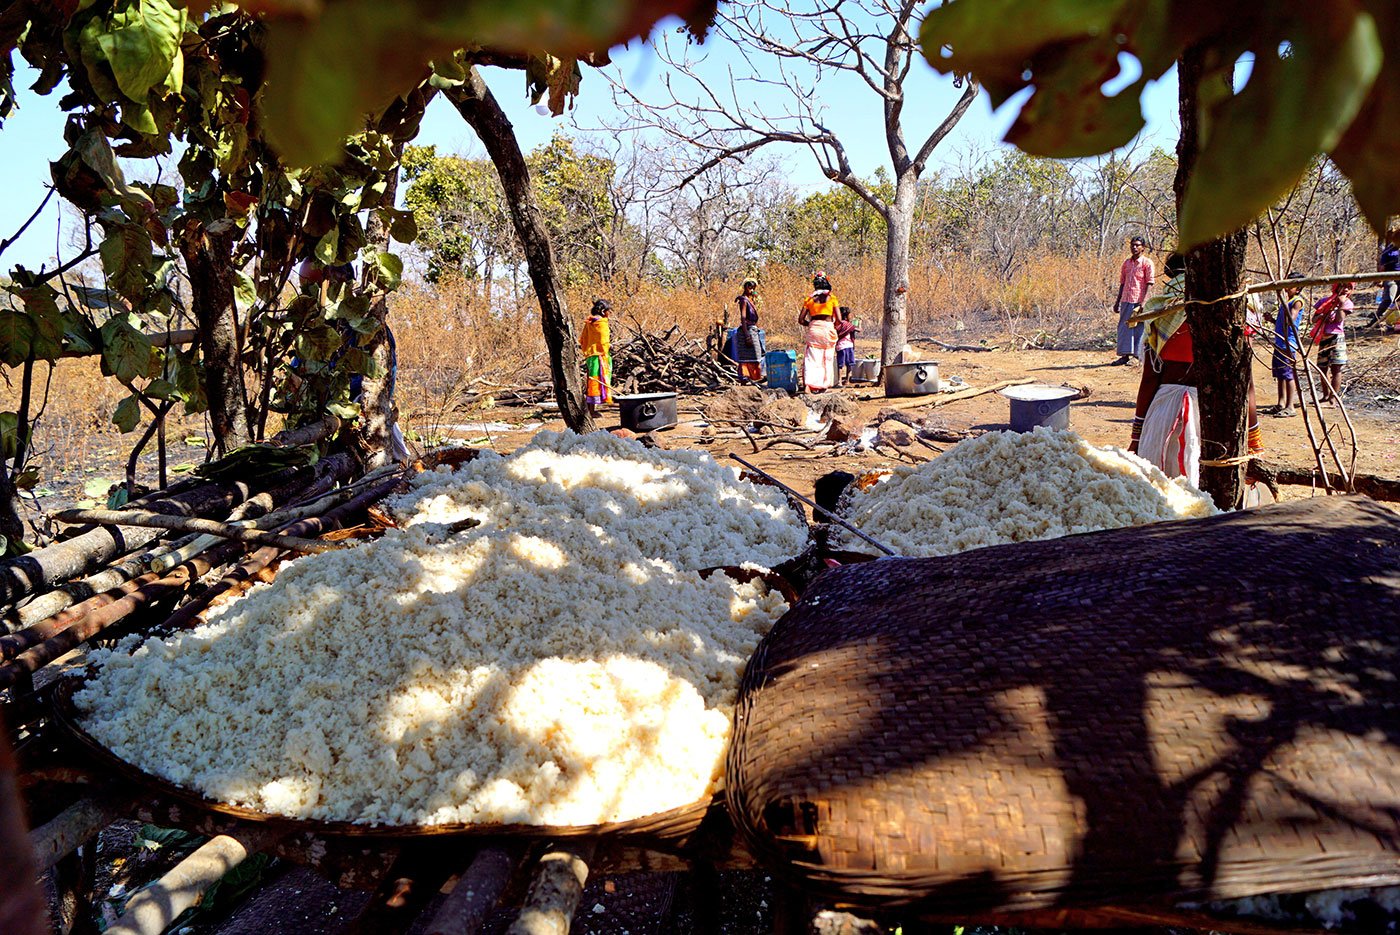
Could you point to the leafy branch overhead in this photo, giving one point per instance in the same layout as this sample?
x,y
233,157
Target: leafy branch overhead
x,y
1316,84
330,63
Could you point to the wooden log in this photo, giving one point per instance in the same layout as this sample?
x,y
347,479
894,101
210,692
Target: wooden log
x,y
240,579
34,634
555,891
1377,488
87,551
152,910
129,566
72,828
31,660
476,893
920,402
191,524
308,434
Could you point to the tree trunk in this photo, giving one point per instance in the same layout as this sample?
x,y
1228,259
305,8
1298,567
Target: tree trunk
x,y
1222,360
899,221
11,523
377,413
209,262
478,106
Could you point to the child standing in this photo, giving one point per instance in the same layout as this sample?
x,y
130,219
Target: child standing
x,y
1329,334
1288,328
597,356
846,332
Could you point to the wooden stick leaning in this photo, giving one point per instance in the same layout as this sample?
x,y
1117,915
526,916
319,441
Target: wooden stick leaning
x,y
820,509
141,518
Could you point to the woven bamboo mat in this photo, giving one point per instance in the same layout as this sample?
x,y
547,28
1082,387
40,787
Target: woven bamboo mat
x,y
1196,709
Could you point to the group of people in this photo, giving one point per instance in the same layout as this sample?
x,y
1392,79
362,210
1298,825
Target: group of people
x,y
828,334
1156,331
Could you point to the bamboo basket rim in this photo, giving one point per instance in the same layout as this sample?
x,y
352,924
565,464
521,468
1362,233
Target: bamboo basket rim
x,y
674,825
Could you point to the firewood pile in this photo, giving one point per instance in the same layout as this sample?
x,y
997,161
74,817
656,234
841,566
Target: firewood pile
x,y
670,361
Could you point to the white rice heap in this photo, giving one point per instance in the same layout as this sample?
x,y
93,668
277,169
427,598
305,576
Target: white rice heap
x,y
681,507
1016,487
549,672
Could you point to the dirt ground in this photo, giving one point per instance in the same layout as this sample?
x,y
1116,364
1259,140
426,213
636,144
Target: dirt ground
x,y
1104,417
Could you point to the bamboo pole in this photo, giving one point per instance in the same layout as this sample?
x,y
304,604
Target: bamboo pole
x,y
823,510
1271,286
79,631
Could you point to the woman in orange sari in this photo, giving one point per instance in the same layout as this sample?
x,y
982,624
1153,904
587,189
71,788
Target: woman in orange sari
x,y
818,317
597,356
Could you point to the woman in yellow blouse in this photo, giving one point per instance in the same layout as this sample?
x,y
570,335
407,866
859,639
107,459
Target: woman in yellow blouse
x,y
597,357
818,316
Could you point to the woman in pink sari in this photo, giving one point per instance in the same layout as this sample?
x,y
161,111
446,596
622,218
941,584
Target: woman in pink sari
x,y
818,317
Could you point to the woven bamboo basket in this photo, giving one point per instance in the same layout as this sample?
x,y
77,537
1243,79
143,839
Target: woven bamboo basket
x,y
1141,716
674,829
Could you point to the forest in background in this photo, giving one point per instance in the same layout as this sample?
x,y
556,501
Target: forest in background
x,y
1004,244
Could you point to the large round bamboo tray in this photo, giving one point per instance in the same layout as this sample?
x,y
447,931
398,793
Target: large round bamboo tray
x,y
674,829
1194,710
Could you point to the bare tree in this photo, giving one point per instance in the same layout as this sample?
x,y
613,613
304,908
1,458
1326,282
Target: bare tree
x,y
708,225
791,51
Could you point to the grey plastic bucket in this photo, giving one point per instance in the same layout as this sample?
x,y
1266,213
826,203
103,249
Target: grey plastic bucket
x,y
1039,404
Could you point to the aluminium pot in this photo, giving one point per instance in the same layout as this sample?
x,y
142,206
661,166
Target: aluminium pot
x,y
1037,404
865,370
916,378
646,412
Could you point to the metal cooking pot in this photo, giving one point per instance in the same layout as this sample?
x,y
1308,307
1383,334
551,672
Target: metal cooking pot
x,y
916,378
1038,404
646,412
866,370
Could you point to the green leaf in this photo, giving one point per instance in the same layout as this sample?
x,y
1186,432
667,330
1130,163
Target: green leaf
x,y
245,291
126,258
182,468
126,352
1369,151
16,337
153,838
26,479
343,410
9,434
403,225
96,152
98,487
1291,109
328,246
143,45
387,268
126,417
163,389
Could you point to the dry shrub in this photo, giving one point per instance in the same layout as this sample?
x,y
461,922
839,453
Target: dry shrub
x,y
1053,301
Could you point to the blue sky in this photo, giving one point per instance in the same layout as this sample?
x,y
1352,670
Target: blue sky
x,y
33,135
